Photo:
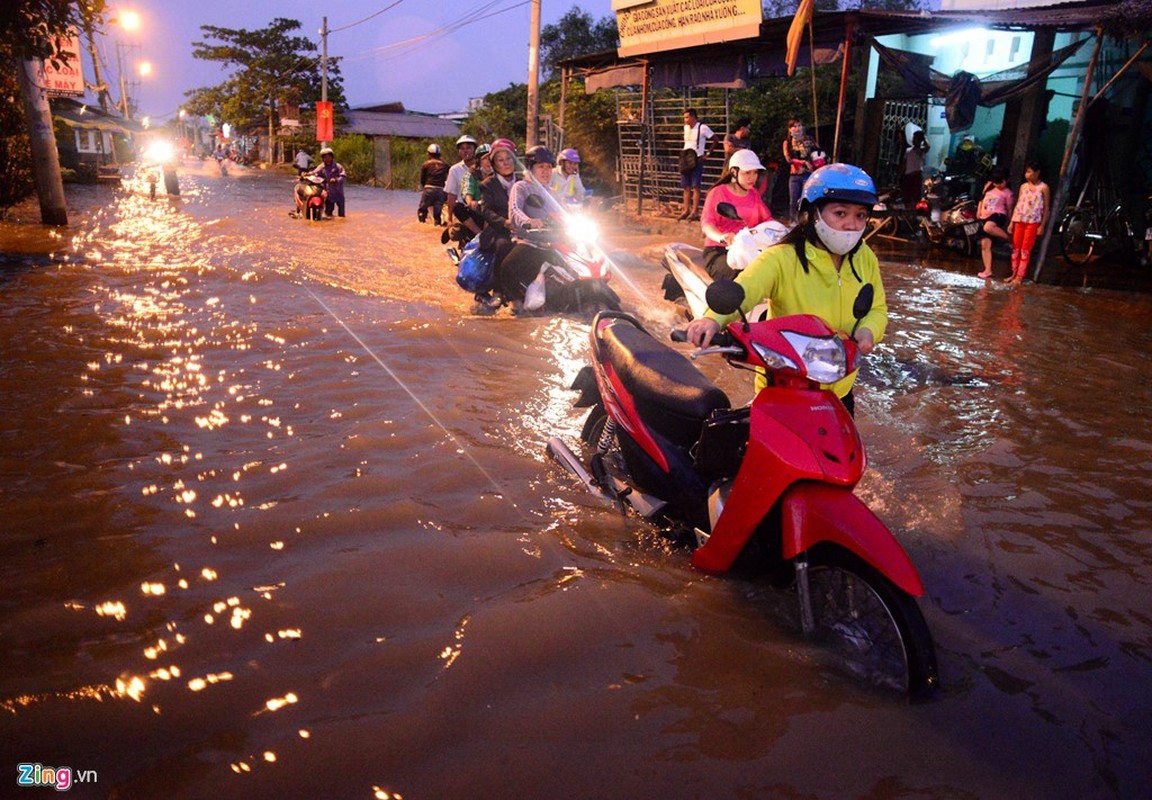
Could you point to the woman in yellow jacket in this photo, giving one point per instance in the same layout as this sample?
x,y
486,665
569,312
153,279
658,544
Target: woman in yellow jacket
x,y
818,268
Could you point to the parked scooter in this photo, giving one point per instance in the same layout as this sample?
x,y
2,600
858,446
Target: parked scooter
x,y
948,214
687,276
574,277
764,490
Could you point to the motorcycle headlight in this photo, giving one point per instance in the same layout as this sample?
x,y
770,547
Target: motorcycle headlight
x,y
773,358
824,357
582,229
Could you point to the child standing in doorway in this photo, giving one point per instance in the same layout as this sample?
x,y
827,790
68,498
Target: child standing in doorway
x,y
1028,220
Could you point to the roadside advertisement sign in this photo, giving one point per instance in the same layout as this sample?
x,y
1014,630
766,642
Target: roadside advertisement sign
x,y
67,79
648,26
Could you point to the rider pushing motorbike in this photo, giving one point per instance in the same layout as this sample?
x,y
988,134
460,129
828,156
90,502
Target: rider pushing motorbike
x,y
332,171
819,267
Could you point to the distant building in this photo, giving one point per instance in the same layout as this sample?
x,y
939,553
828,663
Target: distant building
x,y
386,122
88,138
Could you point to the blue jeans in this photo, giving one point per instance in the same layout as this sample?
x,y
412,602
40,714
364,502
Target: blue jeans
x,y
795,191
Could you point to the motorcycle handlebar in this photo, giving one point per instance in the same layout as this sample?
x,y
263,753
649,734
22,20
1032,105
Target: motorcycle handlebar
x,y
721,339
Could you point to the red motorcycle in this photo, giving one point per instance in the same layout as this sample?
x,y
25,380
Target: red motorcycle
x,y
764,490
311,192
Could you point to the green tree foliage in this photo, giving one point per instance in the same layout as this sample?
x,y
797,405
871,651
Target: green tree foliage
x,y
15,149
576,34
504,113
268,64
28,29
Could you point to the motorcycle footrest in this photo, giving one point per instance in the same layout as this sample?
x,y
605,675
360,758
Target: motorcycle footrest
x,y
701,537
645,505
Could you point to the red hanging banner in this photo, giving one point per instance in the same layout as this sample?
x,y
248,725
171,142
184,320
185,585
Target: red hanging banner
x,y
324,121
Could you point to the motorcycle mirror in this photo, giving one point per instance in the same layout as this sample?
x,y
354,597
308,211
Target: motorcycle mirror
x,y
862,304
724,296
728,211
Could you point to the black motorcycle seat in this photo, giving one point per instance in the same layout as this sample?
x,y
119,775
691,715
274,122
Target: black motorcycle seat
x,y
671,395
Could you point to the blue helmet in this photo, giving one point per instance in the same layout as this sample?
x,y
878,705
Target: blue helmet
x,y
843,183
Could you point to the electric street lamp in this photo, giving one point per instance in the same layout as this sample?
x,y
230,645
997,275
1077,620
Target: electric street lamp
x,y
130,22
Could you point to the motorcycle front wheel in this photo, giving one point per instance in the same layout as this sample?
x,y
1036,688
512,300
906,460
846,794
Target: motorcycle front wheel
x,y
873,630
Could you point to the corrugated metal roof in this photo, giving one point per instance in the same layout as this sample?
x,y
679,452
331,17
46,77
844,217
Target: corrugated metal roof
x,y
405,126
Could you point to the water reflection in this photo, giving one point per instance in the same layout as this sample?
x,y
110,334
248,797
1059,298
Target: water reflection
x,y
261,489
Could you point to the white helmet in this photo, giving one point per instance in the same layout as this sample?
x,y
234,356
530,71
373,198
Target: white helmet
x,y
433,149
465,139
327,151
745,159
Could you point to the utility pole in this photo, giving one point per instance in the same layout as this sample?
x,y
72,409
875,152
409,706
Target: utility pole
x,y
100,87
45,159
533,74
324,65
123,84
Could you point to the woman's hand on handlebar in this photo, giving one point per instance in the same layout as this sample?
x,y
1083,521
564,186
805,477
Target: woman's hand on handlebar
x,y
700,331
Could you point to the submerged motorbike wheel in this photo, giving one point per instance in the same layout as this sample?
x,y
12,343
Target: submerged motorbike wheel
x,y
604,461
874,630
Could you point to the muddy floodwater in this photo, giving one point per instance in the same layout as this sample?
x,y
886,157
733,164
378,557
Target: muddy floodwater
x,y
276,520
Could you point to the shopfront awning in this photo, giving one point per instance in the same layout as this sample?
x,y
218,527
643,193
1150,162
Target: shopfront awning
x,y
78,115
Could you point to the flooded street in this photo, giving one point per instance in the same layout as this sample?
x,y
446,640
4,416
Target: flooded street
x,y
276,519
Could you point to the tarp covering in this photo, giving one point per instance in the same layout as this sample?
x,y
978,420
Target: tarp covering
x,y
631,74
720,73
964,91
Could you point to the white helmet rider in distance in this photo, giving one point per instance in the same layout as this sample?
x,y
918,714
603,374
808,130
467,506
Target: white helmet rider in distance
x,y
433,149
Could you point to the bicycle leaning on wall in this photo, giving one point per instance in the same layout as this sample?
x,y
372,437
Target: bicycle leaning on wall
x,y
1098,227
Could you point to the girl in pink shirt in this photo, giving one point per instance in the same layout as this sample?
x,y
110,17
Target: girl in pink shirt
x,y
738,187
1027,220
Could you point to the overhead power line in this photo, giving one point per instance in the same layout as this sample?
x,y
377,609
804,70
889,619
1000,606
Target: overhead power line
x,y
370,16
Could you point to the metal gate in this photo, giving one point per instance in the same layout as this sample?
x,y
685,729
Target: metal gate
x,y
650,140
897,114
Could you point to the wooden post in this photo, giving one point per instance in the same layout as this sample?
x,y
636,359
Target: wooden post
x,y
565,76
45,158
843,87
812,69
1073,137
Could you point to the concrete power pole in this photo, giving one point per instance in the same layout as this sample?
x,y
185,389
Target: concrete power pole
x,y
324,65
533,75
45,159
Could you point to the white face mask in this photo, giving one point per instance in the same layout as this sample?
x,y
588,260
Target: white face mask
x,y
838,242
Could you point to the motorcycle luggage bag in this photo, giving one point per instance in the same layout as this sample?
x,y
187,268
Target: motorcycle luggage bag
x,y
671,396
723,442
474,272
